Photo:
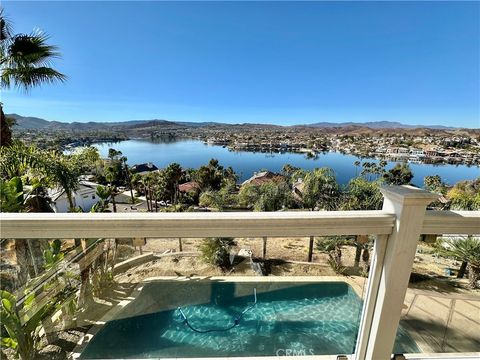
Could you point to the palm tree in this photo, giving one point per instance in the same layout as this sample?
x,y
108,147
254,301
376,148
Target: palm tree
x,y
111,175
104,193
128,177
25,63
465,249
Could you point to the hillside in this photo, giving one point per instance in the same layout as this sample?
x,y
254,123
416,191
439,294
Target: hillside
x,y
350,128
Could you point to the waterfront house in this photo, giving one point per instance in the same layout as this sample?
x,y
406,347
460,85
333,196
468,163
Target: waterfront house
x,y
397,151
263,177
417,153
144,168
431,151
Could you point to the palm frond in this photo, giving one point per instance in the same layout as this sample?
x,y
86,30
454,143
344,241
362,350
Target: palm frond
x,y
5,27
30,50
28,77
463,248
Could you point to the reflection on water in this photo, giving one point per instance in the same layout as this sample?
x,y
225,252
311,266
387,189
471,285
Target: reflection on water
x,y
192,154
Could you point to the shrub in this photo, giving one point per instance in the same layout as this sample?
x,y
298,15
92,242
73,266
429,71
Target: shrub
x,y
332,246
216,251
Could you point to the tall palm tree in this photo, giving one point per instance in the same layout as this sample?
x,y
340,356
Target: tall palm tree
x,y
25,61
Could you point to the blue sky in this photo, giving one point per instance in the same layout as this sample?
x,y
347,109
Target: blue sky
x,y
283,63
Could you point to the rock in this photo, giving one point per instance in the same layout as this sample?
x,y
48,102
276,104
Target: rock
x,y
52,352
245,253
258,268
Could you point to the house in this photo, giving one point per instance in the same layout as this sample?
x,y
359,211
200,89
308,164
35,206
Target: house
x,y
84,197
189,187
397,151
431,151
417,153
144,168
263,177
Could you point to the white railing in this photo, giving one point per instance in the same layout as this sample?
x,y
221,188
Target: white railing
x,y
398,227
236,224
158,225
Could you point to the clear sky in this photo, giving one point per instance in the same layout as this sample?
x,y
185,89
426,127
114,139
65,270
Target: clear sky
x,y
269,62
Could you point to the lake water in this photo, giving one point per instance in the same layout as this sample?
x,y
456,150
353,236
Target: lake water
x,y
192,154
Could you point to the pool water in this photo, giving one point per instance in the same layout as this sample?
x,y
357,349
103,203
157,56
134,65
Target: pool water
x,y
287,319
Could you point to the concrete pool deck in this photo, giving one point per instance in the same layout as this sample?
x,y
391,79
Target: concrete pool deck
x,y
441,322
438,322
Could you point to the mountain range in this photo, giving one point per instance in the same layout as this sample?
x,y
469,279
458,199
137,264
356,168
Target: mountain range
x,y
29,122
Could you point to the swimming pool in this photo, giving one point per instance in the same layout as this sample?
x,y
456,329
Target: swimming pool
x,y
217,318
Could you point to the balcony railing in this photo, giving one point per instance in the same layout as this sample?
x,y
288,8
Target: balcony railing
x,y
397,227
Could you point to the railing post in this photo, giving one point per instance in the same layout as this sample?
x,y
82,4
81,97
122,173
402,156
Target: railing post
x,y
408,204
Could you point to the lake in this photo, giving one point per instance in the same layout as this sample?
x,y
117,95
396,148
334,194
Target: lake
x,y
192,154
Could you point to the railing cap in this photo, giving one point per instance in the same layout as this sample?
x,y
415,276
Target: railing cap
x,y
408,194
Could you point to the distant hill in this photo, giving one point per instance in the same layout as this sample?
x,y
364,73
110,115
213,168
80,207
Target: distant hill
x,y
378,125
25,122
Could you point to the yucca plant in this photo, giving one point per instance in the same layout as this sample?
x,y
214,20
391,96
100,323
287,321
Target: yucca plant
x,y
465,249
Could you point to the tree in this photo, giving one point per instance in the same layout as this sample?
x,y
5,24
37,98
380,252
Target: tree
x,y
361,194
373,170
401,174
434,183
49,167
25,62
320,190
111,175
88,157
104,193
211,199
465,249
270,196
172,174
288,170
248,195
210,176
128,177
465,195
273,197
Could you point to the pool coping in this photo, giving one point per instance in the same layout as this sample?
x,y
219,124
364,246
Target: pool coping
x,y
350,280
